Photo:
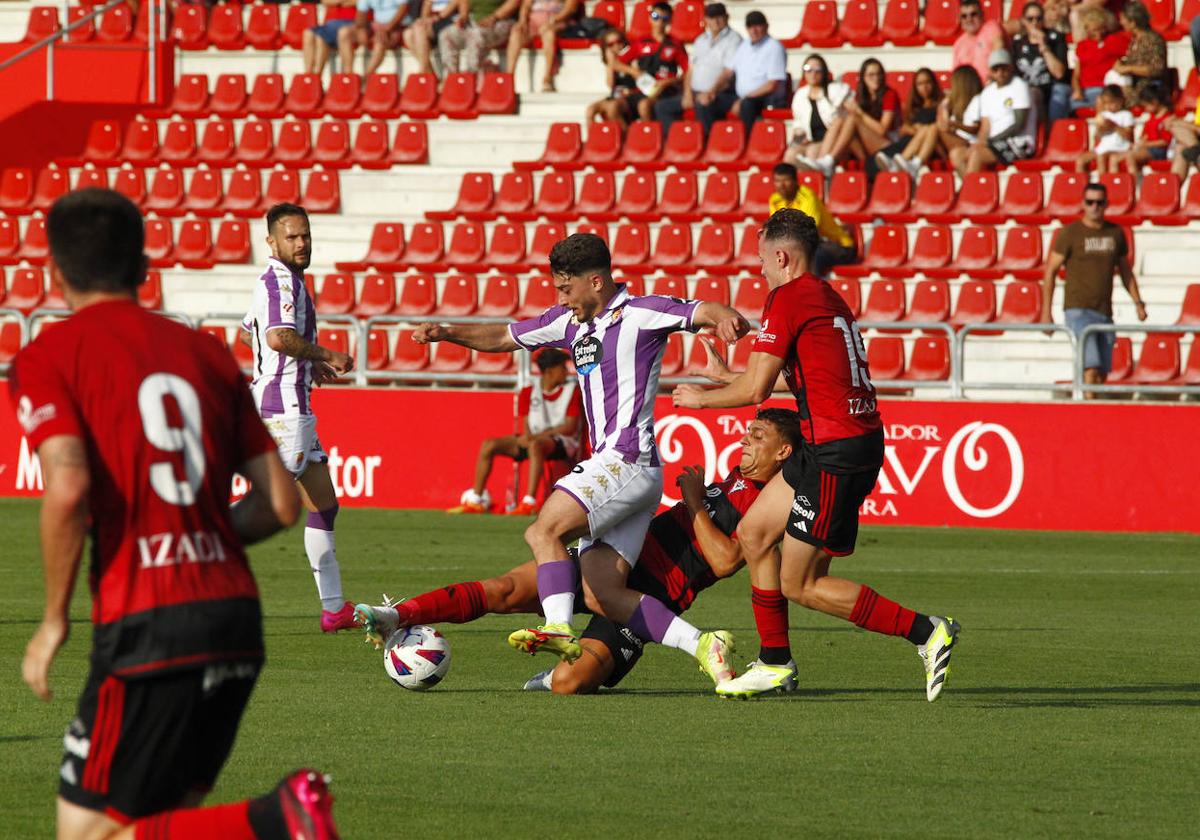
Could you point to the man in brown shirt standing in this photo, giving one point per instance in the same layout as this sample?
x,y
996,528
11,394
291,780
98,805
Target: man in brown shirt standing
x,y
1091,249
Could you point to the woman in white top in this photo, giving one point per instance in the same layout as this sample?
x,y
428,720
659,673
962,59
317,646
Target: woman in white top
x,y
817,109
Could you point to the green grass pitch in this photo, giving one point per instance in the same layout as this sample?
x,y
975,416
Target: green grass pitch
x,y
1071,711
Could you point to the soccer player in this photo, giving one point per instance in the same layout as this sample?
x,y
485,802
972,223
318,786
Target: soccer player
x,y
550,431
139,424
809,334
607,501
688,548
281,328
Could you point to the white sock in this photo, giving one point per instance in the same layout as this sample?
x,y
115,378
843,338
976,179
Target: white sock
x,y
472,498
559,608
318,544
682,635
529,500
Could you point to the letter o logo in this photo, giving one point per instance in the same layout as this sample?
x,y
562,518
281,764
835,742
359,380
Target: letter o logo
x,y
976,459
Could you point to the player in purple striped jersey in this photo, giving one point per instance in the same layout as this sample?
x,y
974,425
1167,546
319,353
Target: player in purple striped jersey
x,y
281,328
607,502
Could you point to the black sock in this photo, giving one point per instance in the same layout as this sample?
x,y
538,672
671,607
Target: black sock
x,y
265,815
774,655
921,630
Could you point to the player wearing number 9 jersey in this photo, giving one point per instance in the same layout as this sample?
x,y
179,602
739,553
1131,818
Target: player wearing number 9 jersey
x,y
139,424
808,334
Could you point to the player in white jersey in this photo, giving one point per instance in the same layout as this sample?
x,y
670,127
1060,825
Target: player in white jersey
x,y
281,328
607,502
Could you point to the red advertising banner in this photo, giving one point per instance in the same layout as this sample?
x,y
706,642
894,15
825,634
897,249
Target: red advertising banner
x,y
1059,466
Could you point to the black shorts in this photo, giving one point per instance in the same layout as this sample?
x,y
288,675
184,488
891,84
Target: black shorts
x,y
137,747
558,453
625,647
1012,149
825,510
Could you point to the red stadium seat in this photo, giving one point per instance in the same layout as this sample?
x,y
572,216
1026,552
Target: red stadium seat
x,y
1158,200
283,187
860,24
597,195
545,235
599,229
335,338
267,96
1186,103
116,25
256,145
344,95
493,363
103,144
300,16
16,190
304,96
721,198
408,355
500,293
179,143
450,358
726,146
555,201
766,145
1068,140
332,147
756,200
426,247
43,21
1022,303
337,295
190,98
378,353
166,193
1189,311
131,183
746,257
225,27
631,245
262,27
418,296
885,301
643,145
1121,188
1191,369
540,295
885,358
10,240
714,246
672,248
506,250
639,22
687,20
932,251
672,358
818,27
497,95
467,245
189,27
370,150
612,11
1022,254
381,96
635,284
930,301
1023,200
934,197
976,303
141,143
891,195
34,245
418,97
204,194
457,99
232,243
847,193
83,33
160,243
930,360
602,147
150,293
941,21
751,296
410,144
851,292
1190,203
976,251
27,290
1122,361
460,296
89,176
901,24
229,98
378,295
515,195
475,196
638,198
384,252
243,197
697,358
1162,16
713,287
978,196
322,192
1158,362
1066,195
193,248
685,144
887,254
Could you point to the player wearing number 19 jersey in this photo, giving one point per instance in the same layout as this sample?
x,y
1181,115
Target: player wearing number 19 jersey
x,y
139,423
808,334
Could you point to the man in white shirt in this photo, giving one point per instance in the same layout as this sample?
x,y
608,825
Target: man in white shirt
x,y
711,51
758,70
1006,118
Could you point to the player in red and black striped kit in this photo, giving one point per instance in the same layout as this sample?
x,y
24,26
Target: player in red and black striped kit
x,y
139,424
809,335
687,549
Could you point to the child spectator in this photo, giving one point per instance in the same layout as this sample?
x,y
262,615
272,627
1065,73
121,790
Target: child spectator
x,y
617,106
1114,132
1156,137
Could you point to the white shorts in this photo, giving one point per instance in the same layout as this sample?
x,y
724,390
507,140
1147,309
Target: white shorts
x,y
296,437
620,499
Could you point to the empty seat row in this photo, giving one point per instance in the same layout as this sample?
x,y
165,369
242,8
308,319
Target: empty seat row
x,y
257,144
115,26
887,301
462,96
1159,363
206,193
28,289
197,28
195,245
979,254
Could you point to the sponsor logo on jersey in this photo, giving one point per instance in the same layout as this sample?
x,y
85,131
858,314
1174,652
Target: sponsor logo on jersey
x,y
800,510
764,332
715,491
588,354
738,485
617,313
30,418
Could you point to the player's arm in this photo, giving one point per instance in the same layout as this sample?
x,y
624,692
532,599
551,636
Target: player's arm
x,y
287,341
717,370
722,552
272,502
1131,286
729,324
487,338
246,338
750,388
1053,264
63,525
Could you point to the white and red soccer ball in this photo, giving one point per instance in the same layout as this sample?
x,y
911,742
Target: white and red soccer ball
x,y
416,658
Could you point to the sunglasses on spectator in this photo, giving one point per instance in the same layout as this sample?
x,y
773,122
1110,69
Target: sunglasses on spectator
x,y
968,15
614,43
1095,202
813,68
1033,19
659,16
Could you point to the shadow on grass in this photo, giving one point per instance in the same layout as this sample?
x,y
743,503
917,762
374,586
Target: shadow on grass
x,y
16,739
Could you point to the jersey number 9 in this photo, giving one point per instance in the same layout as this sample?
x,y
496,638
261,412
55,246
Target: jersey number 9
x,y
184,438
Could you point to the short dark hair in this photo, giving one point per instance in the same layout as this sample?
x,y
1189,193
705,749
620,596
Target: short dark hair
x,y
549,358
665,8
579,254
1096,186
1138,14
964,3
1032,4
794,226
98,241
1154,96
1114,92
785,420
284,209
785,169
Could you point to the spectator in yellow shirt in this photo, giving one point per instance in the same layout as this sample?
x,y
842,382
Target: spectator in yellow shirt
x,y
837,245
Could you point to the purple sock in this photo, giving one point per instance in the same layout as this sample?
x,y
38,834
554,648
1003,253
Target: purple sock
x,y
322,520
651,619
556,582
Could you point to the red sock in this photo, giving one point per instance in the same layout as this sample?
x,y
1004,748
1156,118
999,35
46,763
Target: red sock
x,y
770,616
229,822
875,613
457,603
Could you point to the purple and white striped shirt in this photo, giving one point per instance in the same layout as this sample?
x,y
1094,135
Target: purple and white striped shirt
x,y
618,356
281,383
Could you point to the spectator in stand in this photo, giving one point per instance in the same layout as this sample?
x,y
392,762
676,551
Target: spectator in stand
x,y
657,63
979,38
1194,29
1091,250
1006,118
837,245
1113,132
1185,137
435,17
1095,55
617,106
918,132
1156,137
319,41
869,123
548,415
817,111
758,70
465,45
1145,61
711,52
542,19
377,24
954,132
1041,60
1078,9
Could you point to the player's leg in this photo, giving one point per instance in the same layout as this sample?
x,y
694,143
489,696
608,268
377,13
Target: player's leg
x,y
539,454
476,500
610,651
318,496
759,533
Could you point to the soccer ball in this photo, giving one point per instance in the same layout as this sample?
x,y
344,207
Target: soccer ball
x,y
416,658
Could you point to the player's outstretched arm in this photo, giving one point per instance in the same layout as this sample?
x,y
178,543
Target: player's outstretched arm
x,y
750,388
287,341
272,503
488,338
722,552
729,324
63,527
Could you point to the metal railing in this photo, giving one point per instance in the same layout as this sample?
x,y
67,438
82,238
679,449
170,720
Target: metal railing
x,y
1080,387
519,379
960,350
